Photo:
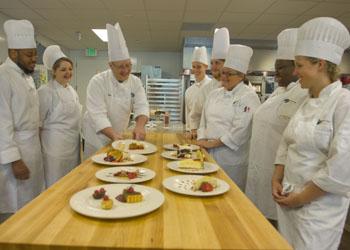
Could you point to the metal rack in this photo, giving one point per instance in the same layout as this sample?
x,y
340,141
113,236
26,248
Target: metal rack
x,y
166,95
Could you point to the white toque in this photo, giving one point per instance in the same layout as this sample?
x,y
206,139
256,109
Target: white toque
x,y
51,54
238,57
324,38
221,43
286,41
117,49
19,34
200,55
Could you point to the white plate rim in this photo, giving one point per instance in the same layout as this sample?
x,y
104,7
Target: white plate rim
x,y
151,147
151,175
107,214
95,158
173,166
167,183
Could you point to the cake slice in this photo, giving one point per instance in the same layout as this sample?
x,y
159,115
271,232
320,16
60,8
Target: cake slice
x,y
191,164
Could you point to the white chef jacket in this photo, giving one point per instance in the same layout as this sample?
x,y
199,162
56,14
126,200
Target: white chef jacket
x,y
109,104
227,116
315,147
19,137
198,103
60,115
269,122
191,95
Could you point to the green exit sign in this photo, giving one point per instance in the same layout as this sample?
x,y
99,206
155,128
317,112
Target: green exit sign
x,y
91,52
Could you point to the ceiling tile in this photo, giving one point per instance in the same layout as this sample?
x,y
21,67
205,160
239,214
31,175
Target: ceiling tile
x,y
57,14
47,4
128,15
196,33
328,9
12,4
300,20
124,5
201,16
231,17
275,19
234,28
255,6
178,5
205,5
247,35
290,7
21,14
169,16
83,4
262,29
165,25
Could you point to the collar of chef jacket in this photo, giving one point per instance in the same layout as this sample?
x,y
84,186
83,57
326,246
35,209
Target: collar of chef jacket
x,y
328,90
232,93
200,83
58,85
14,66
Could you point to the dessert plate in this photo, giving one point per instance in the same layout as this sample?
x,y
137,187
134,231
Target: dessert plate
x,y
209,167
123,145
107,174
133,159
83,203
183,184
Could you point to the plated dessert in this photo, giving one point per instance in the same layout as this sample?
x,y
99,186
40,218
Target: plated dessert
x,y
134,146
195,185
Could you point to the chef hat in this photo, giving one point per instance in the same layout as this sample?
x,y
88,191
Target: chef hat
x,y
51,54
324,38
19,34
200,55
286,41
221,42
117,49
238,57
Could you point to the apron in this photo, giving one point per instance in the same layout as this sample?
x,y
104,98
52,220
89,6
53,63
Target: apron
x,y
60,141
119,104
269,122
319,224
15,193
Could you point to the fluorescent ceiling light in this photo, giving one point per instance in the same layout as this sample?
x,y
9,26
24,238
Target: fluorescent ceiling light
x,y
101,33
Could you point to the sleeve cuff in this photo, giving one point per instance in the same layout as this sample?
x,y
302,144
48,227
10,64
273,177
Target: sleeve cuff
x,y
9,155
331,185
101,124
225,139
144,112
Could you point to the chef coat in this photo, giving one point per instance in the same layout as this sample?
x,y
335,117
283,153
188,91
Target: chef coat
x,y
60,115
315,147
198,103
19,130
191,95
269,122
227,116
109,104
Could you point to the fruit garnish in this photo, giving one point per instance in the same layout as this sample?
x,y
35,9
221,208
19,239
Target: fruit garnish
x,y
206,187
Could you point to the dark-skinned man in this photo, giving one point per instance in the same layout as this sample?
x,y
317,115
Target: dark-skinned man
x,y
21,170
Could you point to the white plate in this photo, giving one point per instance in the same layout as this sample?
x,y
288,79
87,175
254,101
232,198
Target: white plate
x,y
149,148
182,184
106,174
171,155
83,202
171,146
208,168
135,159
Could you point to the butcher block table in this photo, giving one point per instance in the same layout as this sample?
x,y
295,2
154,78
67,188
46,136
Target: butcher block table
x,y
228,221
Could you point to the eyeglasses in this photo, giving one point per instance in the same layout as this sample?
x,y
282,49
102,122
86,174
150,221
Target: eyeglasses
x,y
122,66
229,74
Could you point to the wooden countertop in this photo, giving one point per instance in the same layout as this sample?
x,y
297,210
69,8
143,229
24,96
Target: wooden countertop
x,y
228,221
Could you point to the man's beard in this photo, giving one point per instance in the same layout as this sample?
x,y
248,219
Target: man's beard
x,y
25,70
